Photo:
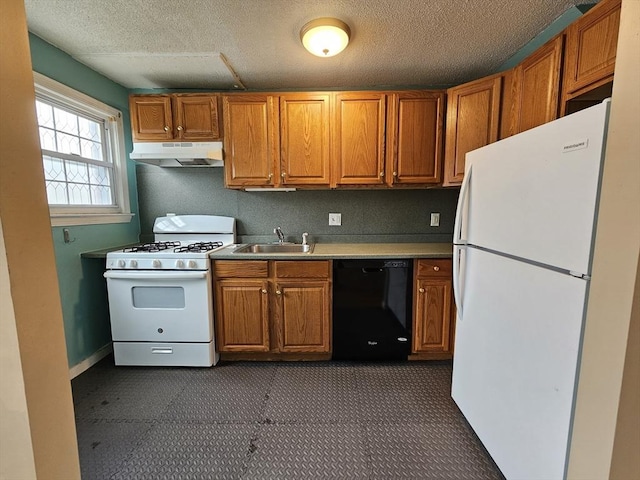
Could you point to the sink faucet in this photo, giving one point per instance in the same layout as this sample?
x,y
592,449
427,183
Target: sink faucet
x,y
278,232
305,238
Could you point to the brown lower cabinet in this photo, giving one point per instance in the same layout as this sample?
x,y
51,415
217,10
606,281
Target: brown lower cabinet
x,y
433,309
267,309
276,306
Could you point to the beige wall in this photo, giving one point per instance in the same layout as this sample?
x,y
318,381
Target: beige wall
x,y
16,454
626,448
613,287
32,286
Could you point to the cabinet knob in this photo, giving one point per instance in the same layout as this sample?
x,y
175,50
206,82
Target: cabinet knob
x,y
166,128
436,268
381,174
421,290
278,292
270,176
395,174
264,290
179,128
283,174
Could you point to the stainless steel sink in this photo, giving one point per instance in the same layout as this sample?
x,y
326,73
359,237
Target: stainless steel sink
x,y
275,248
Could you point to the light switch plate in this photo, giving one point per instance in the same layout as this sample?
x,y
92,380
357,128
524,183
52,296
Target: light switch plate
x,y
335,219
435,220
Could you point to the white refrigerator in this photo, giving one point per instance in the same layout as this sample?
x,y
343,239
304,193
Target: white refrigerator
x,y
523,239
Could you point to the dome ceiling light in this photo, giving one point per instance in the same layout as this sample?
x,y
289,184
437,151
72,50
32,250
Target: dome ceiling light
x,y
325,37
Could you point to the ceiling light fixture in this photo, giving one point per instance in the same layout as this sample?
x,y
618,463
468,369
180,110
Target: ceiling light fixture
x,y
325,37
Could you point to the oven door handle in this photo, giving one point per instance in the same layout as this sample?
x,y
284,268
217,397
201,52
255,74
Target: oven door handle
x,y
164,275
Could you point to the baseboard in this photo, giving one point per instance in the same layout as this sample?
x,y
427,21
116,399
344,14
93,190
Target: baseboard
x,y
90,361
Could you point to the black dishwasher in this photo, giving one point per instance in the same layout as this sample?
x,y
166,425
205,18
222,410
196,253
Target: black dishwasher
x,y
372,309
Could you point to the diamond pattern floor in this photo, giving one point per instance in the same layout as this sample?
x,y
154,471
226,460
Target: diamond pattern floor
x,y
253,420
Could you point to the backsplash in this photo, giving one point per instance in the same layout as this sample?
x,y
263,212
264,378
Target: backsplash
x,y
367,215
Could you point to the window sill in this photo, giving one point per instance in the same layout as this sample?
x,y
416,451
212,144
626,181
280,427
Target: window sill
x,y
70,219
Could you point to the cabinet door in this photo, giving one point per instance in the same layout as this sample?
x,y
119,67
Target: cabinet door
x,y
304,139
591,47
242,315
303,314
432,323
250,140
537,87
414,133
359,136
197,117
151,117
473,115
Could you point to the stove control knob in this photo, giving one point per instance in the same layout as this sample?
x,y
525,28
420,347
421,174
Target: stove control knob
x,y
121,263
193,264
179,263
156,264
133,264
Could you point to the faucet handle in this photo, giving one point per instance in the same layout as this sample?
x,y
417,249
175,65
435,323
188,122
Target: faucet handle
x,y
278,232
305,236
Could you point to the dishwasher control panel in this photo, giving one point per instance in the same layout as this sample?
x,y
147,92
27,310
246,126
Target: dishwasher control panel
x,y
396,263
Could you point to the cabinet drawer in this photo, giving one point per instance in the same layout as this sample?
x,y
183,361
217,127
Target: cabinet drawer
x,y
434,267
302,269
241,268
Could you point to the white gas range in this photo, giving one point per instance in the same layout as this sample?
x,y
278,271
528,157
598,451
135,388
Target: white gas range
x,y
160,293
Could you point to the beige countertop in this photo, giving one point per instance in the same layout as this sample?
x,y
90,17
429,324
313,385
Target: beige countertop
x,y
326,251
348,250
102,253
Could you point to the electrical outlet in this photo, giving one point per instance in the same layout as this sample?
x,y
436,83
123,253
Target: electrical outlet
x,y
435,220
335,219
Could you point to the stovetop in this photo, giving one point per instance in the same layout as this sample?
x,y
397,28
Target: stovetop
x,y
164,255
175,247
181,242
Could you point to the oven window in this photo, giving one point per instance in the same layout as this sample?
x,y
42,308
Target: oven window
x,y
158,297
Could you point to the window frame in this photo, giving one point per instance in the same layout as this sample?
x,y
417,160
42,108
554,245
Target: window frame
x,y
55,92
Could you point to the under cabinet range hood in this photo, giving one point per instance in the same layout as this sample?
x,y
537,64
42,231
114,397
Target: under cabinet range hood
x,y
179,154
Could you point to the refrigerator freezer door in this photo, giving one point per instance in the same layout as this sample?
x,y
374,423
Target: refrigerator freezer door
x,y
514,370
534,195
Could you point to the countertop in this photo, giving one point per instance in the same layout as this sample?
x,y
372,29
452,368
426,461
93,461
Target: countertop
x,y
102,253
347,250
326,251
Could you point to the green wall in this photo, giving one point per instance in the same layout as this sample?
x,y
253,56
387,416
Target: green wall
x,y
557,26
386,215
82,287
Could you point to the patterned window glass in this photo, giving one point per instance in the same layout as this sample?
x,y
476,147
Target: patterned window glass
x,y
77,165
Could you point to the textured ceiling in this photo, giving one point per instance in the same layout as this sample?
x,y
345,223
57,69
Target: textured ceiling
x,y
177,44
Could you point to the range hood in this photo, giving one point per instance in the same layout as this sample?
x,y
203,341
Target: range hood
x,y
179,154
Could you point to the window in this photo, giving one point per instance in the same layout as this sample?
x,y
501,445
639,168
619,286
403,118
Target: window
x,y
82,155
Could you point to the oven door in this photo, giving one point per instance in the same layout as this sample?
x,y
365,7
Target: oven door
x,y
160,306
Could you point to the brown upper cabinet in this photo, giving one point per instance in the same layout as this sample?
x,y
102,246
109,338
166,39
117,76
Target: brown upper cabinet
x,y
414,137
473,116
274,141
323,139
182,117
536,87
251,140
591,49
304,139
359,138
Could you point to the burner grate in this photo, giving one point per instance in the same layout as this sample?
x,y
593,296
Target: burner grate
x,y
198,247
152,247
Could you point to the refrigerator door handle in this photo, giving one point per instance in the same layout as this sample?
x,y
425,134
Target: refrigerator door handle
x,y
458,250
457,226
